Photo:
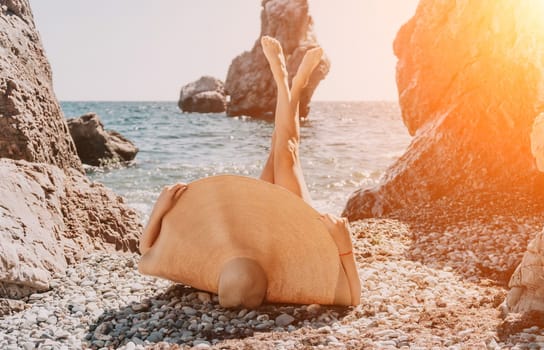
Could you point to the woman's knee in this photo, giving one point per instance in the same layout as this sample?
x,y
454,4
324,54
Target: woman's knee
x,y
242,283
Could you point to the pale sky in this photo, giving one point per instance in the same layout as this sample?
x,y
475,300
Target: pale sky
x,y
141,50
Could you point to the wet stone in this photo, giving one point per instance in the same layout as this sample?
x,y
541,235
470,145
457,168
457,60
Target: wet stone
x,y
251,314
155,337
284,320
189,310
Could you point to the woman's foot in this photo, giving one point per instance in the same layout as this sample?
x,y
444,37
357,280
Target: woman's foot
x,y
274,54
309,62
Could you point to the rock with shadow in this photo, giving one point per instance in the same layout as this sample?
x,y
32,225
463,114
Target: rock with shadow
x,y
469,79
188,317
527,282
97,146
526,285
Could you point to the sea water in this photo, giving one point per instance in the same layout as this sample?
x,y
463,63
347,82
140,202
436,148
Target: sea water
x,y
344,146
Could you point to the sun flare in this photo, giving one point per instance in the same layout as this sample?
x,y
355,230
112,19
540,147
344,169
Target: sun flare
x,y
530,14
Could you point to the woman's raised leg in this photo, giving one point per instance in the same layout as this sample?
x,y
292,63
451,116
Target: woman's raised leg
x,y
268,170
287,169
274,54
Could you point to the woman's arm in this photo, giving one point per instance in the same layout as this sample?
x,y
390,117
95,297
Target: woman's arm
x,y
164,203
339,230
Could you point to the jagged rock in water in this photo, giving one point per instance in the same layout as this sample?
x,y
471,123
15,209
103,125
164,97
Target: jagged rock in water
x,y
96,146
50,213
205,95
469,76
31,123
250,84
527,282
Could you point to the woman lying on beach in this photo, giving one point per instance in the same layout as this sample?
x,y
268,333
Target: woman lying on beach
x,y
252,240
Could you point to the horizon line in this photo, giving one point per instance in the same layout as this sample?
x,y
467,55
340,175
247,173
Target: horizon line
x,y
175,101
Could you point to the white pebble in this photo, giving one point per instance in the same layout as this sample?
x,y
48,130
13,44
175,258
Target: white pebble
x,y
42,316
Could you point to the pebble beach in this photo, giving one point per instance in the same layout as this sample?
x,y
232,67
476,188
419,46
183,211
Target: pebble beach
x,y
441,187
104,303
432,276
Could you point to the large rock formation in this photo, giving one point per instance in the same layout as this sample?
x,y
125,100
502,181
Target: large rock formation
x,y
31,126
50,213
527,282
249,81
49,218
205,95
470,78
96,146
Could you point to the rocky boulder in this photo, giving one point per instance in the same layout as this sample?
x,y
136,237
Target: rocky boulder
x,y
96,146
470,77
50,218
31,123
50,213
526,284
205,95
249,82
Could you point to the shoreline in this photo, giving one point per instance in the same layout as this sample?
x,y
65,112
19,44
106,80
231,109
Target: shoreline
x,y
104,302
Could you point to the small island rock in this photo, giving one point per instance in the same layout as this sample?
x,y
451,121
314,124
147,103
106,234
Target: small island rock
x,y
205,95
249,82
96,146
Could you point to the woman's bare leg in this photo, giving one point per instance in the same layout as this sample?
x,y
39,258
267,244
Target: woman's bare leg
x,y
286,138
283,164
274,54
268,170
